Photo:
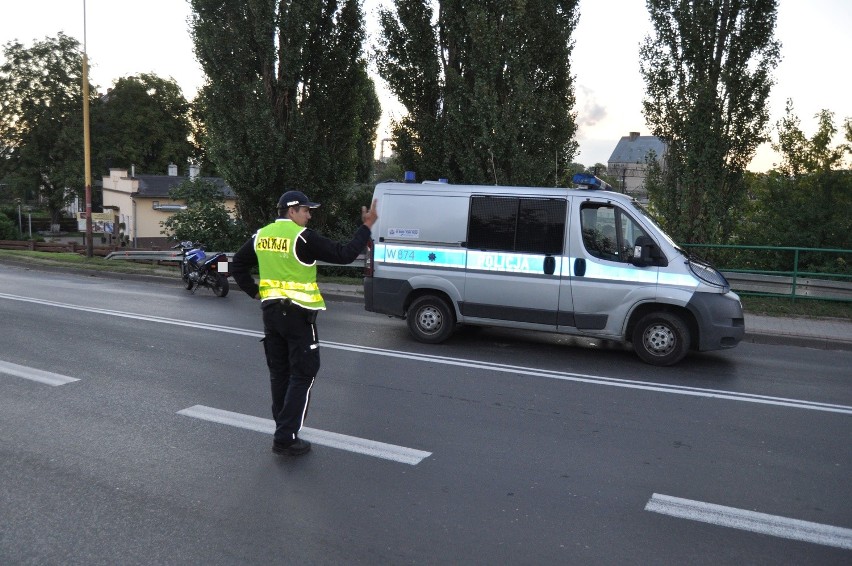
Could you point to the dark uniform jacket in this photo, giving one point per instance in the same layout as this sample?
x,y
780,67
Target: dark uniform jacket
x,y
310,247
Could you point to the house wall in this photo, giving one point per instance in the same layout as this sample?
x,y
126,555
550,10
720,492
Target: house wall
x,y
116,192
631,178
141,220
627,163
148,221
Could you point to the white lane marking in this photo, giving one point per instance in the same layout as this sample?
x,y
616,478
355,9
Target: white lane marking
x,y
600,380
489,366
34,374
325,438
134,316
753,521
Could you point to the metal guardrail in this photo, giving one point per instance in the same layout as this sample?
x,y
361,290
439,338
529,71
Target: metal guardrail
x,y
145,255
776,284
794,284
53,247
773,285
174,256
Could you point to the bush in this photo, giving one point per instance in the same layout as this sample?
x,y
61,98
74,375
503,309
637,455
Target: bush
x,y
8,229
205,220
343,220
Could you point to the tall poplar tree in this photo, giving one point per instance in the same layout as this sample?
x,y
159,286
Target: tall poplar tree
x,y
707,72
487,87
286,100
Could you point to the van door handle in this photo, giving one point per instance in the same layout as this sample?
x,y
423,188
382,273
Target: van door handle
x,y
579,267
549,265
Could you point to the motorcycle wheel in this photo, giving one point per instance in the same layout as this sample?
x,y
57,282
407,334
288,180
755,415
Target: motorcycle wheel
x,y
220,286
187,282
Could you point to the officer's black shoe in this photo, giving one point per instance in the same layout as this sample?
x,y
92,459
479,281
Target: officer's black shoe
x,y
295,448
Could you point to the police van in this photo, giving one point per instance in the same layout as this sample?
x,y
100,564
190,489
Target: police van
x,y
585,261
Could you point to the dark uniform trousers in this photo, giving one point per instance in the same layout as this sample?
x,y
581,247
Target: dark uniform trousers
x,y
292,355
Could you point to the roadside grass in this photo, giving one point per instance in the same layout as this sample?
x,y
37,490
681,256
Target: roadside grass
x,y
769,306
785,306
340,279
78,261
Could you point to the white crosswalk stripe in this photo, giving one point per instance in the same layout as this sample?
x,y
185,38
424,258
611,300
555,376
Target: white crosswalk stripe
x,y
753,521
34,374
325,438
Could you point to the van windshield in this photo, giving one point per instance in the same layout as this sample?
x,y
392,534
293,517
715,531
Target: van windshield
x,y
637,206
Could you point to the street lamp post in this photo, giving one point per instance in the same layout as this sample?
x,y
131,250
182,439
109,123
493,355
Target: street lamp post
x,y
86,146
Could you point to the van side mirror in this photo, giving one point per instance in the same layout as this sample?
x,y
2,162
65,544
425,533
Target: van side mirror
x,y
646,252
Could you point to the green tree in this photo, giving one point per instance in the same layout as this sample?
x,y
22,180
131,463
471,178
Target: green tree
x,y
142,121
487,89
198,133
8,228
41,124
807,200
287,102
707,75
568,172
205,218
601,171
847,127
369,113
802,155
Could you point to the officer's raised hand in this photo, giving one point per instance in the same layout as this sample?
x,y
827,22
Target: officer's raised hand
x,y
369,217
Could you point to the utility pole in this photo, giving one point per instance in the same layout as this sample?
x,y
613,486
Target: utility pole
x,y
87,151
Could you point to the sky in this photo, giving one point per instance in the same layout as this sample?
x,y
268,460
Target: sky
x,y
129,37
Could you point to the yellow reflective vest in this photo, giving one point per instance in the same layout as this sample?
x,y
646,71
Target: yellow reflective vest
x,y
282,275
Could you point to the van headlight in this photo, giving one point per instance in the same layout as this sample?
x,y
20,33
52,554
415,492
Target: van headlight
x,y
708,274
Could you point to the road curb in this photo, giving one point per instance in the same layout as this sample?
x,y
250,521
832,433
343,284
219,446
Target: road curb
x,y
799,341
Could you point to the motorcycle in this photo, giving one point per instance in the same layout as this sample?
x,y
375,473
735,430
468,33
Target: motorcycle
x,y
197,269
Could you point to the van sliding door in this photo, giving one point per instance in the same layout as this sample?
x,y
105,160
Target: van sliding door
x,y
514,260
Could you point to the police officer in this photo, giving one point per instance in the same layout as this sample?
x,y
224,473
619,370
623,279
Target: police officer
x,y
286,253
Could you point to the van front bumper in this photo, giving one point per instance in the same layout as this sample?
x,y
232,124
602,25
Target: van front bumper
x,y
720,320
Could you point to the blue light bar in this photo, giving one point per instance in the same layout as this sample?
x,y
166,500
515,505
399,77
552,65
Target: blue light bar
x,y
590,182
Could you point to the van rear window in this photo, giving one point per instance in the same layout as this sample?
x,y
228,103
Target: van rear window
x,y
512,224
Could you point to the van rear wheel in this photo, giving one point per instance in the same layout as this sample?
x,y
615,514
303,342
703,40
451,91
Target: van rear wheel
x,y
430,319
661,339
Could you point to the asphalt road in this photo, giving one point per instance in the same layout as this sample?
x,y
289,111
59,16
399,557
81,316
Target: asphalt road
x,y
134,430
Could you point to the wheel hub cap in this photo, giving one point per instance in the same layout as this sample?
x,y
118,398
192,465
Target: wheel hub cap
x,y
430,320
659,339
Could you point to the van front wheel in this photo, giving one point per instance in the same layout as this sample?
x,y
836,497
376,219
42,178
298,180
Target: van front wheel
x,y
661,339
430,319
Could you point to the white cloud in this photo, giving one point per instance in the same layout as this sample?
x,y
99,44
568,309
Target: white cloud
x,y
589,111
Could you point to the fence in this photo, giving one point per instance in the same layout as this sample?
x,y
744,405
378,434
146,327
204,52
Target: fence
x,y
795,282
173,256
56,247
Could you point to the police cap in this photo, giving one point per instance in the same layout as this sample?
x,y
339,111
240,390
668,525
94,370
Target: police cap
x,y
295,198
